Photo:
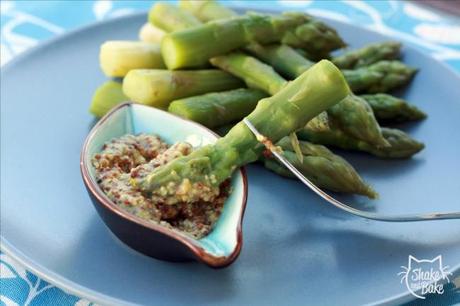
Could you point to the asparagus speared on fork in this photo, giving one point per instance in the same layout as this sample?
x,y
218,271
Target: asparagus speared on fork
x,y
290,109
159,87
401,144
388,108
326,169
367,55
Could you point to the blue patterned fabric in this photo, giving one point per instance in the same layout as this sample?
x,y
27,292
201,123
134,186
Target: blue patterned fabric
x,y
24,24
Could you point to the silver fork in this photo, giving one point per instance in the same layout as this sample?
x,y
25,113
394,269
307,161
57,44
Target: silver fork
x,y
345,207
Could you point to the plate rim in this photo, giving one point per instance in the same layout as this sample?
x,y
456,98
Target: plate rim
x,y
92,295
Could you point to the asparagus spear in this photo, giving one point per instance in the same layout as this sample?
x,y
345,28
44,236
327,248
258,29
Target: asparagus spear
x,y
353,113
379,77
106,96
217,109
315,37
207,10
151,34
370,54
356,118
159,87
284,59
389,108
119,57
170,18
323,167
320,165
275,117
255,73
401,144
194,46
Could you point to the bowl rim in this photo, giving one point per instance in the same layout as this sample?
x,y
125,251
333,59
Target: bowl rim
x,y
199,252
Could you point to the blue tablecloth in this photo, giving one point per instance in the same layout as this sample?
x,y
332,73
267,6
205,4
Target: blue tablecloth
x,y
24,24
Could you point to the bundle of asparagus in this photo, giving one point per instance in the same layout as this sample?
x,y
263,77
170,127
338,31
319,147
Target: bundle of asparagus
x,y
274,42
353,113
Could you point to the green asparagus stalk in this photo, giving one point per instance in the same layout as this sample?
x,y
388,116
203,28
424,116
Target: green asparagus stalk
x,y
117,58
353,113
316,36
284,59
389,108
322,167
356,117
151,34
275,117
219,108
194,46
207,10
159,87
401,144
106,97
370,54
170,18
379,77
255,73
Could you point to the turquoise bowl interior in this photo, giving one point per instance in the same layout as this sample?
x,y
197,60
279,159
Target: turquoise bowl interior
x,y
223,244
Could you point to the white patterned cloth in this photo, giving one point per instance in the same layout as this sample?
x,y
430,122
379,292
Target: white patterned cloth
x,y
24,24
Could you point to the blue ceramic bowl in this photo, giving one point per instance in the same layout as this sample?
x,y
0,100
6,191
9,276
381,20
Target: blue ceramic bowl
x,y
218,249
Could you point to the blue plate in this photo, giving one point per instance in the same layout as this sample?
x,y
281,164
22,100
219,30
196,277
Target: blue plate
x,y
297,248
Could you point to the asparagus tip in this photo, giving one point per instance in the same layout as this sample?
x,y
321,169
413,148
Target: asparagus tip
x,y
369,192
